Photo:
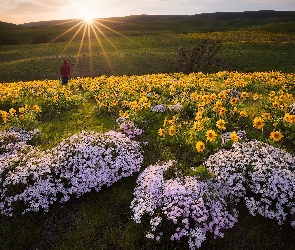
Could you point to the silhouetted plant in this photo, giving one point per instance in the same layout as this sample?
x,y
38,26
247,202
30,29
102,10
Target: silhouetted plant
x,y
201,57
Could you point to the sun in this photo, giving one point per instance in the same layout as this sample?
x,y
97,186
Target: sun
x,y
88,19
88,16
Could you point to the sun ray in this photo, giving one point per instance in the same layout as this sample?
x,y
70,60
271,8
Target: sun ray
x,y
103,51
80,48
114,31
66,31
100,31
90,29
77,32
90,49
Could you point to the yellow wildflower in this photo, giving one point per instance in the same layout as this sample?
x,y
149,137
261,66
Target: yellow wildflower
x,y
200,146
233,100
244,95
275,105
276,135
36,108
172,131
255,97
21,110
211,135
162,132
233,136
258,123
222,111
243,113
12,111
289,118
266,116
198,125
221,124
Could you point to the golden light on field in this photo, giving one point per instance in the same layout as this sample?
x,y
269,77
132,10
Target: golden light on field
x,y
93,31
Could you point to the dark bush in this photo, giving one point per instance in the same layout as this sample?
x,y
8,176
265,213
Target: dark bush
x,y
201,58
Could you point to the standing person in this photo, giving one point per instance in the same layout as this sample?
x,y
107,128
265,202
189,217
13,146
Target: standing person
x,y
65,71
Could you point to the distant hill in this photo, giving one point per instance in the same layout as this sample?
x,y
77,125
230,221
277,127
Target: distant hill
x,y
10,26
218,16
46,31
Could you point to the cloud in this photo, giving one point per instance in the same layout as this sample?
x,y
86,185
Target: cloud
x,y
27,8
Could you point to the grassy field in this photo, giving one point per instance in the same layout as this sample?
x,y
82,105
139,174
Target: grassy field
x,y
132,46
102,220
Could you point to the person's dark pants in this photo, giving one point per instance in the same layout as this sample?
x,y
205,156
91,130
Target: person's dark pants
x,y
64,80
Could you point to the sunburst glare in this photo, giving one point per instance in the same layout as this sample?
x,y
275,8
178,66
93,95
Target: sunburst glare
x,y
92,31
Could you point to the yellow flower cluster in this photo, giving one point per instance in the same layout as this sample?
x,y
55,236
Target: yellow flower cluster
x,y
210,105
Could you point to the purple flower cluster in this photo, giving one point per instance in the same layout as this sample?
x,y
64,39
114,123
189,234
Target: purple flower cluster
x,y
292,109
128,127
191,205
260,174
32,180
15,140
252,172
159,108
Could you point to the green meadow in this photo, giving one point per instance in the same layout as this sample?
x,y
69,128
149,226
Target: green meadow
x,y
134,46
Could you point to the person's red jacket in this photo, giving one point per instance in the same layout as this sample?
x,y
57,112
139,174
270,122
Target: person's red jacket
x,y
65,69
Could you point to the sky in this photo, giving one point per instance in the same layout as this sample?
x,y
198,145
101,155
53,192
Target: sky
x,y
25,11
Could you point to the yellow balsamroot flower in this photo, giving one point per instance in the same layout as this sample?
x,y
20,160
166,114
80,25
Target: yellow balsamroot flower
x,y
255,97
222,111
36,108
199,116
222,94
200,146
284,106
244,95
136,108
272,93
221,124
276,135
4,98
4,115
21,110
211,135
218,105
234,137
12,111
258,123
275,105
233,100
123,114
21,117
172,131
162,132
266,116
289,118
243,113
198,125
213,96
201,110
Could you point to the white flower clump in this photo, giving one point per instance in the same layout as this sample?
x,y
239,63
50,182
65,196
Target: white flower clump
x,y
128,127
258,173
159,108
190,204
33,180
292,109
252,172
15,140
176,107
